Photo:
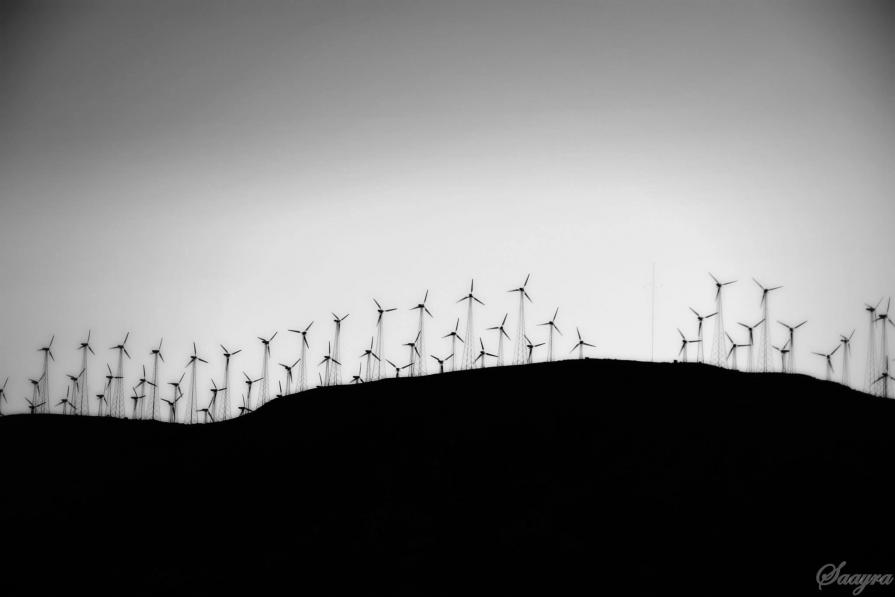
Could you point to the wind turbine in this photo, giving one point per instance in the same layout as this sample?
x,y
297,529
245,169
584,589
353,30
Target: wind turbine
x,y
580,345
117,404
414,352
441,361
356,379
84,393
718,348
454,336
684,343
249,382
35,392
207,413
111,381
380,343
885,377
501,334
32,407
156,354
141,384
734,349
397,368
178,394
482,354
222,410
784,352
73,390
552,325
65,402
244,408
421,335
265,360
370,355
136,399
215,390
883,319
531,347
328,360
303,359
751,329
288,369
3,397
519,355
193,399
870,375
700,356
792,343
829,358
466,361
45,391
845,342
335,365
764,346
100,400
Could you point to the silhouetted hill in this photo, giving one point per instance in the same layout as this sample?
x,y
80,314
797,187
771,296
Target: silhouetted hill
x,y
572,477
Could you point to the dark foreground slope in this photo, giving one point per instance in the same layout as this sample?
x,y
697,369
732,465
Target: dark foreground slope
x,y
584,476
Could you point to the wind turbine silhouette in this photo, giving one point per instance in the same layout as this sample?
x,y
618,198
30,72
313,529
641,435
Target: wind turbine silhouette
x,y
501,334
829,358
193,399
531,347
369,355
47,357
734,349
136,399
156,354
466,361
83,395
141,384
117,404
249,382
3,397
885,377
700,356
552,326
751,329
207,413
356,379
580,345
718,348
454,336
870,375
397,368
421,335
111,380
482,354
172,414
328,360
100,399
73,390
65,402
303,359
35,390
413,349
845,342
334,367
519,354
222,411
380,344
32,407
265,361
792,343
883,319
765,342
684,343
288,369
784,351
441,361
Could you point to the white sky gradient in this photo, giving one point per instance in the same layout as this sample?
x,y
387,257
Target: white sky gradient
x,y
216,171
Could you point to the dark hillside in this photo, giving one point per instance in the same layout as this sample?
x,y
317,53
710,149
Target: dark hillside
x,y
573,477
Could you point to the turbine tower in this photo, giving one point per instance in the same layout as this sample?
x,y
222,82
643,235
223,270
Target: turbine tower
x,y
683,352
871,375
718,348
454,336
501,334
222,407
44,406
303,359
552,325
792,344
369,355
82,399
531,348
468,359
421,334
883,319
117,404
380,342
265,362
846,365
764,346
193,398
156,354
751,329
519,353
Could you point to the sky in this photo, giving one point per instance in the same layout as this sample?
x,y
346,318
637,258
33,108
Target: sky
x,y
217,171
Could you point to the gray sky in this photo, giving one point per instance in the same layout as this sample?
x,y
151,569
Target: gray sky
x,y
218,171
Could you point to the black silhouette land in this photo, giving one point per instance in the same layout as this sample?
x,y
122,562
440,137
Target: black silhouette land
x,y
592,476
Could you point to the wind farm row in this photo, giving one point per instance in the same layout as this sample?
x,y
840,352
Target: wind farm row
x,y
171,391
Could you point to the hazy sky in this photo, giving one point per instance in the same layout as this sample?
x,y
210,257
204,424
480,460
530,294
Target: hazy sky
x,y
216,171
